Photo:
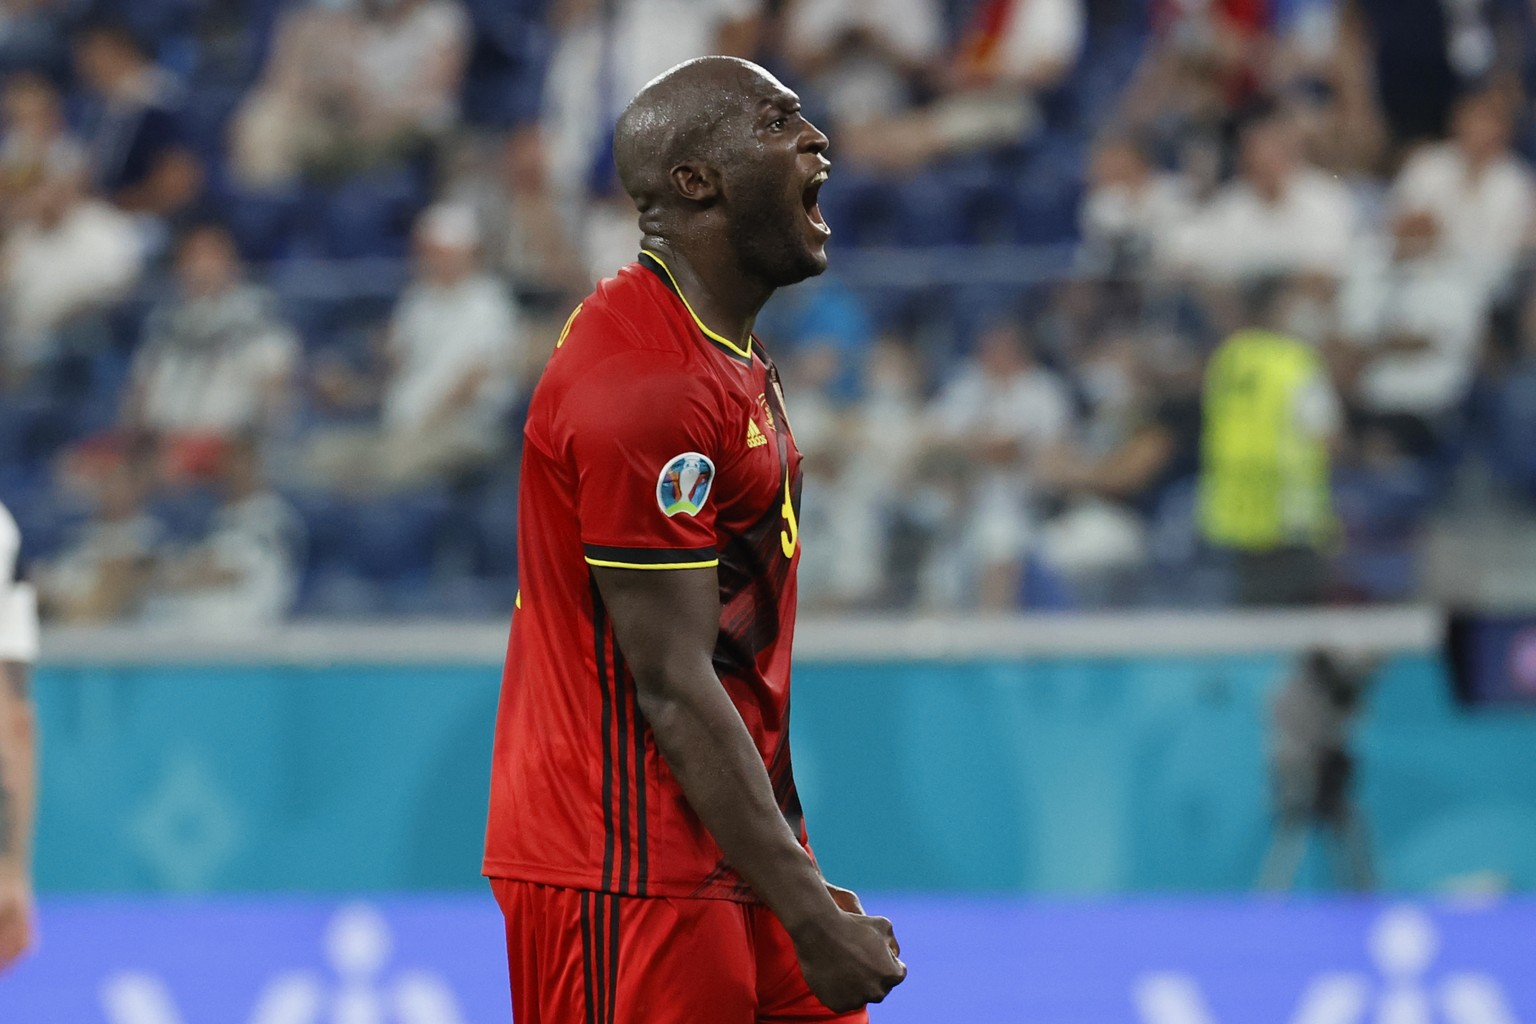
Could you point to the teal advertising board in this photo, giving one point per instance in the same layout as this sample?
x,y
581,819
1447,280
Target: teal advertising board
x,y
1056,775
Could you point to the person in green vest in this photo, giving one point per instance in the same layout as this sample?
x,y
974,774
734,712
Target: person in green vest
x,y
1271,417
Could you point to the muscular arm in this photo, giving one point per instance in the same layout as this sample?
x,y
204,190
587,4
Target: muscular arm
x,y
18,790
18,740
667,623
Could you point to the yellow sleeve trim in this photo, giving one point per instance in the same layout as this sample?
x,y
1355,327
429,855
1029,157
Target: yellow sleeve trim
x,y
666,565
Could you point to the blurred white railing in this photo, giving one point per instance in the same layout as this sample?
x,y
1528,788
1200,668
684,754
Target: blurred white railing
x,y
1384,630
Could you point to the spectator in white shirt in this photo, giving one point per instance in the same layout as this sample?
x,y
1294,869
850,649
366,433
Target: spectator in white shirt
x,y
215,362
1280,217
863,56
1030,45
73,255
1478,191
36,147
1412,320
351,84
103,573
1013,51
606,52
245,571
455,355
18,749
1130,209
990,425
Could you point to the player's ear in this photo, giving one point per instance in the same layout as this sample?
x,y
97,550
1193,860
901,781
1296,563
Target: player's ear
x,y
696,182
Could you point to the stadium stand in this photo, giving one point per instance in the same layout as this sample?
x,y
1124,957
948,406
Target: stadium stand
x,y
1120,184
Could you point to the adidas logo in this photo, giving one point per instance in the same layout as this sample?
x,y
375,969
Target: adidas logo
x,y
755,438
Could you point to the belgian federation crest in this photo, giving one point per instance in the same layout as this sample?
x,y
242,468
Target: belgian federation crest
x,y
684,485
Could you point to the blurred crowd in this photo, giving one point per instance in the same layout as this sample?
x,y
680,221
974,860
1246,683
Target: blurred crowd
x,y
1134,302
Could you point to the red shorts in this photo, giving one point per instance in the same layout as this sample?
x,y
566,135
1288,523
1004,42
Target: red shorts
x,y
580,957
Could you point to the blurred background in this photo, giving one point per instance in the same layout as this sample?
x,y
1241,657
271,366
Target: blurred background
x,y
1170,421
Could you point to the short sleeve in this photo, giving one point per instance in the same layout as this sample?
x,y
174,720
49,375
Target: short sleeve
x,y
18,602
1418,184
18,623
643,435
10,547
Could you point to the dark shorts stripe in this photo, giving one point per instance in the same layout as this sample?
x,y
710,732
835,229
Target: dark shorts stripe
x,y
614,903
588,961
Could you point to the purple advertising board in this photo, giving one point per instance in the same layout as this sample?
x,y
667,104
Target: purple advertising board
x,y
439,961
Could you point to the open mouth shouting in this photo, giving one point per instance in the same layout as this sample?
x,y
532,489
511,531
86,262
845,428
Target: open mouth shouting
x,y
808,199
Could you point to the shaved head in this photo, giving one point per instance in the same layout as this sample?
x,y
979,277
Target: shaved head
x,y
722,164
677,118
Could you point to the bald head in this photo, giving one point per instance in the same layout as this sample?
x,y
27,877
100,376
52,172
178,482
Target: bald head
x,y
677,118
724,166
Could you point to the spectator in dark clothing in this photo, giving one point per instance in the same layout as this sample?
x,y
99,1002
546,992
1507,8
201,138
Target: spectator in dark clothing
x,y
1313,717
134,125
504,82
1141,434
1428,52
33,36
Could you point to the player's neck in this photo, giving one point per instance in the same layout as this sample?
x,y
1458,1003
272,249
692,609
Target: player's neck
x,y
723,297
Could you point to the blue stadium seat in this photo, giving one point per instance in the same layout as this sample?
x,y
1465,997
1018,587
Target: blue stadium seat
x,y
395,539
371,215
206,116
48,518
1048,192
1507,415
494,519
185,513
263,223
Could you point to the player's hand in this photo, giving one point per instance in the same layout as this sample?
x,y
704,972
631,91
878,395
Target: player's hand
x,y
15,920
846,899
850,960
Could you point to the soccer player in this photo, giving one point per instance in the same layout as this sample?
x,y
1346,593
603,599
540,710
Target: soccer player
x,y
18,787
645,840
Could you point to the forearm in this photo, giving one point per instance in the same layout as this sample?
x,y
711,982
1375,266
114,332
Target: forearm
x,y
712,756
18,771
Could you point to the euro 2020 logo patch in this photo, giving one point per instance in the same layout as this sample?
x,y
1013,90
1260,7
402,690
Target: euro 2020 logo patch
x,y
684,484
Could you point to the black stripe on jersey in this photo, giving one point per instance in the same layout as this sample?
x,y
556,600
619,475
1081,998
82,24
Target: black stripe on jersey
x,y
588,954
599,636
623,753
648,556
642,840
621,748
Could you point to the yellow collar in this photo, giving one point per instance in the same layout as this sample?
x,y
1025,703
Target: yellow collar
x,y
671,282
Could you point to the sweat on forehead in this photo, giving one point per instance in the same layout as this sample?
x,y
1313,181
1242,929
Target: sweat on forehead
x,y
676,115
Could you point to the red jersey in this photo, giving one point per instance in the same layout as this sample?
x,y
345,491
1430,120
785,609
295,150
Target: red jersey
x,y
652,443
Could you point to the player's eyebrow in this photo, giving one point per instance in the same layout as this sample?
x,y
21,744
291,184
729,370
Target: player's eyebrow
x,y
787,102
786,105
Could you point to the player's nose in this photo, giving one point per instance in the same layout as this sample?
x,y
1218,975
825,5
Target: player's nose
x,y
814,140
